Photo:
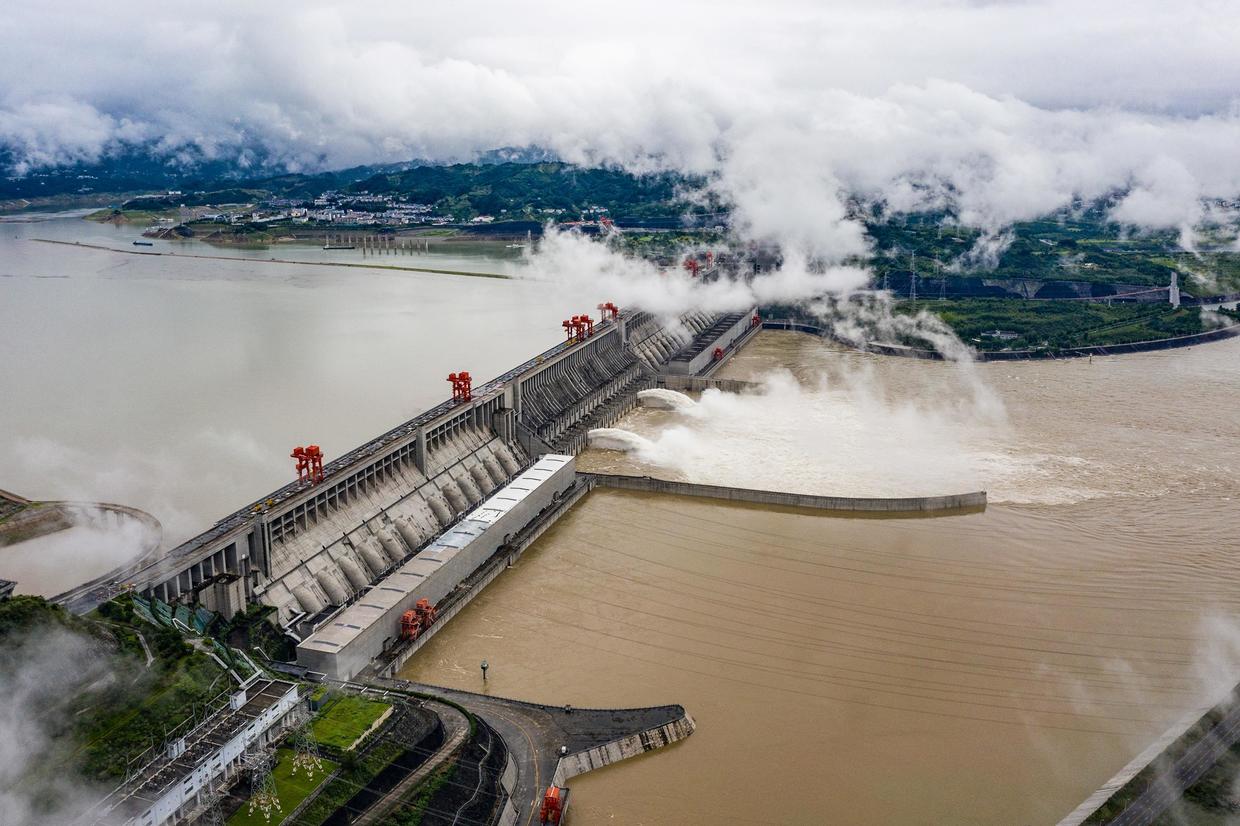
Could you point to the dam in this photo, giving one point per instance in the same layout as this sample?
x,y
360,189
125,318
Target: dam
x,y
344,552
315,544
367,557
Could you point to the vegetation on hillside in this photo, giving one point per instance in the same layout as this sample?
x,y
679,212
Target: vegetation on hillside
x,y
512,189
114,706
1061,247
1061,324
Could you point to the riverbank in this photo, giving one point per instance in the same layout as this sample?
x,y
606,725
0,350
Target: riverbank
x,y
149,252
1041,354
1067,352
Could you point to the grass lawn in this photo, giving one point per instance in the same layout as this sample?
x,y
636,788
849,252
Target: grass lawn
x,y
291,789
345,719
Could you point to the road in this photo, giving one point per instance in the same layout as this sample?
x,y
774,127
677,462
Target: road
x,y
1188,769
535,734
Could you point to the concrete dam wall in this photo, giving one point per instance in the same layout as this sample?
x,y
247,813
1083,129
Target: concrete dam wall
x,y
310,548
902,506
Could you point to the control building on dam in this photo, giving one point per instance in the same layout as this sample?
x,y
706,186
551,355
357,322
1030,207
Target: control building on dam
x,y
315,547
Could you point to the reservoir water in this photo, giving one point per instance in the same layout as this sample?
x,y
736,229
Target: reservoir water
x,y
179,385
993,668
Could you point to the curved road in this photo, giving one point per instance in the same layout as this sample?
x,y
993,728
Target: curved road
x,y
1169,786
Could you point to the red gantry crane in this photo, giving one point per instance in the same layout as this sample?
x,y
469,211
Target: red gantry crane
x,y
413,623
309,463
578,328
462,386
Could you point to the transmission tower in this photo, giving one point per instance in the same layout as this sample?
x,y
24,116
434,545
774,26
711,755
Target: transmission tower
x,y
212,813
263,797
306,750
912,289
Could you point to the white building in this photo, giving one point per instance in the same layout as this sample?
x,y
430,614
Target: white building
x,y
172,788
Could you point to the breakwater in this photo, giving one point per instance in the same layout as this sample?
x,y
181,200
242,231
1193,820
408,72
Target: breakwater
x,y
696,384
898,506
622,748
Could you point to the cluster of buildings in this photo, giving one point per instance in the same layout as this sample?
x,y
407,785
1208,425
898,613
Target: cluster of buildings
x,y
361,209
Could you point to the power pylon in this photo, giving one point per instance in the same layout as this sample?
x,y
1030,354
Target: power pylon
x,y
212,813
306,750
263,796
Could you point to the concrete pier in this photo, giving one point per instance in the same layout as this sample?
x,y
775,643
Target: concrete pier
x,y
551,744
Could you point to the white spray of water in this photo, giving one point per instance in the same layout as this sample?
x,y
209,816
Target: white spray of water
x,y
616,438
842,436
660,398
96,542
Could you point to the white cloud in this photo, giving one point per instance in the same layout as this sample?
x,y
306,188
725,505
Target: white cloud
x,y
1007,109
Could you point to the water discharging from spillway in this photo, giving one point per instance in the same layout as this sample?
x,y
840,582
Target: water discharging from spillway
x,y
660,398
615,438
988,668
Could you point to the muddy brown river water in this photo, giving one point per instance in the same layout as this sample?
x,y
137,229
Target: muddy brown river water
x,y
992,668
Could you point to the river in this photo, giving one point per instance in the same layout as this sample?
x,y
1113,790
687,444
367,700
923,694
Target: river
x,y
992,668
179,385
989,668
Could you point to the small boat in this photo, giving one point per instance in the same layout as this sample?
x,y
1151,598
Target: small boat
x,y
339,247
143,244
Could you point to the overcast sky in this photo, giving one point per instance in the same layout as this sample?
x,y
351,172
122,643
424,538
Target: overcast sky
x,y
1008,108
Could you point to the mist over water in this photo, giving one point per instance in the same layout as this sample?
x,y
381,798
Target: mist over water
x,y
844,434
838,422
95,543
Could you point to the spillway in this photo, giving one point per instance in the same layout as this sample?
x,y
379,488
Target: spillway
x,y
660,398
614,438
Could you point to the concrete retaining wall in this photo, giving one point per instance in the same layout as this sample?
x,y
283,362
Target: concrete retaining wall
x,y
507,784
734,347
909,505
625,747
696,384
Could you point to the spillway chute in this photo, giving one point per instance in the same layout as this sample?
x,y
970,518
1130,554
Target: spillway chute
x,y
353,573
408,533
